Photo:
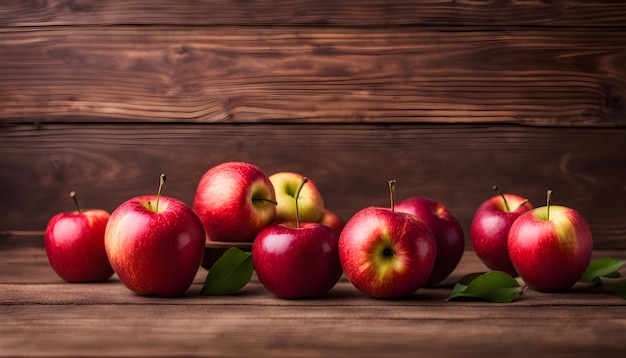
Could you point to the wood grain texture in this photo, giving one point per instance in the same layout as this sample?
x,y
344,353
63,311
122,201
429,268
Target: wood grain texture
x,y
455,164
314,12
564,77
286,331
102,96
107,319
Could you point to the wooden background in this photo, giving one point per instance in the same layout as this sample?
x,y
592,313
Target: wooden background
x,y
447,97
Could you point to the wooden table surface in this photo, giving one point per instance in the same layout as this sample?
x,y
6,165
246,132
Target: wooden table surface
x,y
44,316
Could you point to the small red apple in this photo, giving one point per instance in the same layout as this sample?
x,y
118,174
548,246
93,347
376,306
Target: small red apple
x,y
234,201
74,243
550,247
297,261
446,230
332,220
386,253
155,244
490,227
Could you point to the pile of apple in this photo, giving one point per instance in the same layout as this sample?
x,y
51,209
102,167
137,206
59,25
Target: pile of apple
x,y
155,244
549,247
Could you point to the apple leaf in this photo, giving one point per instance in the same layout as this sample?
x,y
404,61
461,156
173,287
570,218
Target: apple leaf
x,y
600,268
615,286
605,272
230,273
494,286
462,284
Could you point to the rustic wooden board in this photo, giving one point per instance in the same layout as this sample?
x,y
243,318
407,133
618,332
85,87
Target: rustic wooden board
x,y
314,12
295,331
455,164
536,76
107,319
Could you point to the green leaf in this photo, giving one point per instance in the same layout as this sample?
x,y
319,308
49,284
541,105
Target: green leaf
x,y
461,285
230,273
494,286
467,279
600,268
615,286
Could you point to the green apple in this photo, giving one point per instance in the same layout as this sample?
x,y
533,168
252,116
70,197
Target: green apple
x,y
310,201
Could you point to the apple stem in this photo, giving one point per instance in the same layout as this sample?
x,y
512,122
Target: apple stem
x,y
304,181
522,290
506,204
392,185
548,197
162,180
73,196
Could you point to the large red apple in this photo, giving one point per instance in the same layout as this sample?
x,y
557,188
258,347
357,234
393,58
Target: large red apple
x,y
297,262
234,201
74,243
385,253
446,230
550,247
490,227
310,201
155,245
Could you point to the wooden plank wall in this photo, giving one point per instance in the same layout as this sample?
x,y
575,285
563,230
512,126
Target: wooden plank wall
x,y
447,97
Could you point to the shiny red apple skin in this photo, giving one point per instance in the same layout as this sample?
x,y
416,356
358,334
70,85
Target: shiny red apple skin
x,y
385,253
232,202
74,244
446,230
332,220
296,262
490,227
155,253
550,255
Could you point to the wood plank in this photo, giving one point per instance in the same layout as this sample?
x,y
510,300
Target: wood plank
x,y
314,12
455,164
298,331
565,77
107,319
26,278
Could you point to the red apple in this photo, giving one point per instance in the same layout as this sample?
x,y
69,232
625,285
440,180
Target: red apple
x,y
74,243
332,220
297,262
490,227
550,247
155,245
234,201
386,253
446,230
310,202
